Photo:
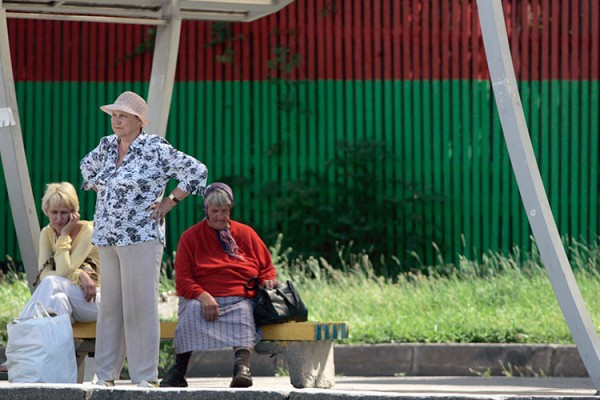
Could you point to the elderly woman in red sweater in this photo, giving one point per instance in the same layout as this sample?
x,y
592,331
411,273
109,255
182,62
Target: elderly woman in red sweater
x,y
215,258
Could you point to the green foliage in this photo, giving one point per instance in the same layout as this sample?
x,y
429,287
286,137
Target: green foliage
x,y
502,299
351,202
146,46
14,293
283,60
167,274
222,35
166,357
12,272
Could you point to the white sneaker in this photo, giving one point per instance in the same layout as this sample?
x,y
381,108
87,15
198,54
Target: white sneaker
x,y
147,384
102,382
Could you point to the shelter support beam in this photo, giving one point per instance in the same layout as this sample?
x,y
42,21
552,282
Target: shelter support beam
x,y
14,162
161,81
164,64
531,187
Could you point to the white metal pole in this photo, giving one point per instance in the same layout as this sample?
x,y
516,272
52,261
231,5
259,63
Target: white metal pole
x,y
164,64
14,162
531,187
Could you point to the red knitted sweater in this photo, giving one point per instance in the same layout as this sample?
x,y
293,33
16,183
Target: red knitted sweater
x,y
202,265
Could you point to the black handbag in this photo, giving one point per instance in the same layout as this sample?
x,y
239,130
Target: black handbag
x,y
277,305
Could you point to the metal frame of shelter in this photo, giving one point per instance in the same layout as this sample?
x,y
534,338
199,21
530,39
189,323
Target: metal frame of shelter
x,y
167,16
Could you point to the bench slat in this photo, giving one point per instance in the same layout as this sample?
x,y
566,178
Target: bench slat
x,y
306,331
84,330
87,330
314,331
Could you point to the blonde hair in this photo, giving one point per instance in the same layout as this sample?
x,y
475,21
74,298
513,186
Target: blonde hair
x,y
61,194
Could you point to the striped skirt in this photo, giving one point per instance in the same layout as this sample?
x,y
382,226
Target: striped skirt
x,y
234,328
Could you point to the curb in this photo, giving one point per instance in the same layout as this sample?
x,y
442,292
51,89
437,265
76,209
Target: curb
x,y
411,359
459,360
417,359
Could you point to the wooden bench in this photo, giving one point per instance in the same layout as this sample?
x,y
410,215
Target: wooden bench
x,y
306,346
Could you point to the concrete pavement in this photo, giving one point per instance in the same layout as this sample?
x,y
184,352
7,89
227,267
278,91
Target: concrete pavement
x,y
408,371
279,388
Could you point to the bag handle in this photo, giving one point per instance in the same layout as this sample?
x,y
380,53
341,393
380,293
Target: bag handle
x,y
38,309
292,293
41,310
285,298
252,284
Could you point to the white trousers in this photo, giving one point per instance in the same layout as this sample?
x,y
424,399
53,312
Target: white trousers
x,y
128,321
63,297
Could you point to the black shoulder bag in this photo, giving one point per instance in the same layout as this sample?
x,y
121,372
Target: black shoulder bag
x,y
278,305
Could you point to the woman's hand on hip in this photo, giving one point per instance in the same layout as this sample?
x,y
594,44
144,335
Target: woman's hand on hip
x,y
210,308
88,286
160,209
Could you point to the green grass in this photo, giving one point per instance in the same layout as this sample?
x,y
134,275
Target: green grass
x,y
14,294
507,308
501,299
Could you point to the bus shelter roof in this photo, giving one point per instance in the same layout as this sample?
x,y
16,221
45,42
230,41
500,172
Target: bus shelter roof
x,y
141,11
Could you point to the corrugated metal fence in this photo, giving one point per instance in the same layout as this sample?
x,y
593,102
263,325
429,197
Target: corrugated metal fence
x,y
263,103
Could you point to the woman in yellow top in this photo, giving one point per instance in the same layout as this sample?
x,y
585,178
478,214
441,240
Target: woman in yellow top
x,y
67,282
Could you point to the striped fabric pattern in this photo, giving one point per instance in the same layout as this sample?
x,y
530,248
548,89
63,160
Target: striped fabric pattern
x,y
234,328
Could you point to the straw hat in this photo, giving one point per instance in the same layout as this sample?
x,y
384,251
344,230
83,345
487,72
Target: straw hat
x,y
130,103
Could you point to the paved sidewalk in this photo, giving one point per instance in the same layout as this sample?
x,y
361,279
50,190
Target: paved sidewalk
x,y
427,385
279,388
407,371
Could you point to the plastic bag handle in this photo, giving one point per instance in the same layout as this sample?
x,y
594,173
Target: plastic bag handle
x,y
39,308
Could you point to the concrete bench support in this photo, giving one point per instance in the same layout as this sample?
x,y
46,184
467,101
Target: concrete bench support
x,y
310,363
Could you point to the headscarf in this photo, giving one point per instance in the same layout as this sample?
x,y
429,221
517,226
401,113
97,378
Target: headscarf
x,y
224,235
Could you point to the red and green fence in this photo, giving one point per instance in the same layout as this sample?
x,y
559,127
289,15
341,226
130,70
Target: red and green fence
x,y
261,103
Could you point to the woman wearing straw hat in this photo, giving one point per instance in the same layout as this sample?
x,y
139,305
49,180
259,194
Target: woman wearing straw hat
x,y
129,171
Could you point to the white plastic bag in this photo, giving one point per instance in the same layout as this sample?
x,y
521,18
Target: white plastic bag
x,y
41,349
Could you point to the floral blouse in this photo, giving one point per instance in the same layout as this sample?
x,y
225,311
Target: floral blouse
x,y
125,194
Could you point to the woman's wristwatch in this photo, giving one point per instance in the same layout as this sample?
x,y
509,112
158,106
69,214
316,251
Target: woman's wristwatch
x,y
172,197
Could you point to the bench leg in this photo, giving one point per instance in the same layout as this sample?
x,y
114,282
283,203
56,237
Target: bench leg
x,y
82,349
310,363
80,357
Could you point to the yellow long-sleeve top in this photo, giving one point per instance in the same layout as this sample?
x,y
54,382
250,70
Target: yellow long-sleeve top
x,y
68,254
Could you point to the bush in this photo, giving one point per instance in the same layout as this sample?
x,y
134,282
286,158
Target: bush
x,y
344,205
